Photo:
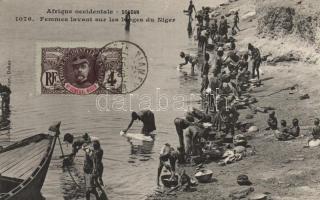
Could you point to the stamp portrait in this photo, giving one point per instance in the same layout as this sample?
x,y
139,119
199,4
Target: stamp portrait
x,y
117,68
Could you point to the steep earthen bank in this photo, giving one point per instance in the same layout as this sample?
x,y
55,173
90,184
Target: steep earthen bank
x,y
295,24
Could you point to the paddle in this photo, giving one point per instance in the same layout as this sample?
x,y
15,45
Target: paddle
x,y
67,166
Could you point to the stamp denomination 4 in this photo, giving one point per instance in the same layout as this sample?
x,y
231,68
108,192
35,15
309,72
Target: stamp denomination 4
x,y
117,68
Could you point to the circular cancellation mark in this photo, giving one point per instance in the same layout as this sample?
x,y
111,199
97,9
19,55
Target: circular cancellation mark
x,y
124,65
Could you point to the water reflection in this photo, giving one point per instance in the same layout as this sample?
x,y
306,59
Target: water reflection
x,y
140,150
72,181
189,29
127,20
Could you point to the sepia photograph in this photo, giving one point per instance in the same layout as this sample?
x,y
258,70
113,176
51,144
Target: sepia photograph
x,y
160,100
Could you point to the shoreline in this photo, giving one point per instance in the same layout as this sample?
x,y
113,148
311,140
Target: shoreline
x,y
282,170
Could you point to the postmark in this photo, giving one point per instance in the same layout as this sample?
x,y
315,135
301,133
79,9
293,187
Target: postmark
x,y
119,67
134,68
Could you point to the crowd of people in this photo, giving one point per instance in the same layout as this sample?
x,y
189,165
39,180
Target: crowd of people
x,y
222,89
227,77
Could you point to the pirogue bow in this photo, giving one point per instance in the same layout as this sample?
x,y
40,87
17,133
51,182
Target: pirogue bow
x,y
24,165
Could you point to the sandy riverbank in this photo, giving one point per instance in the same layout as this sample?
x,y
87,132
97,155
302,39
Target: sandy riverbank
x,y
284,170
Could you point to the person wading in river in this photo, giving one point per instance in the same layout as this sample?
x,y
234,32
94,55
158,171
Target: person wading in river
x,y
147,118
89,169
127,19
98,164
191,8
5,95
188,59
77,142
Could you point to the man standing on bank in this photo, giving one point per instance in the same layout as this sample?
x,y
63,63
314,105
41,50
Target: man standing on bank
x,y
147,118
255,59
235,22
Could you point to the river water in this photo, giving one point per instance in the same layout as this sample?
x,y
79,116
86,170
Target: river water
x,y
130,169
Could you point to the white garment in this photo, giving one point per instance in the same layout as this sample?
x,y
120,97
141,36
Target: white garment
x,y
165,150
203,33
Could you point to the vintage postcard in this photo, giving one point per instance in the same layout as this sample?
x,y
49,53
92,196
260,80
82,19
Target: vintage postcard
x,y
159,100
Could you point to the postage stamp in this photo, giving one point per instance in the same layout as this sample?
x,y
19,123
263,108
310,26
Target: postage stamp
x,y
119,67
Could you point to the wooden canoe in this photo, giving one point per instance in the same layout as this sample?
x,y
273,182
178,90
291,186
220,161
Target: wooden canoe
x,y
24,166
